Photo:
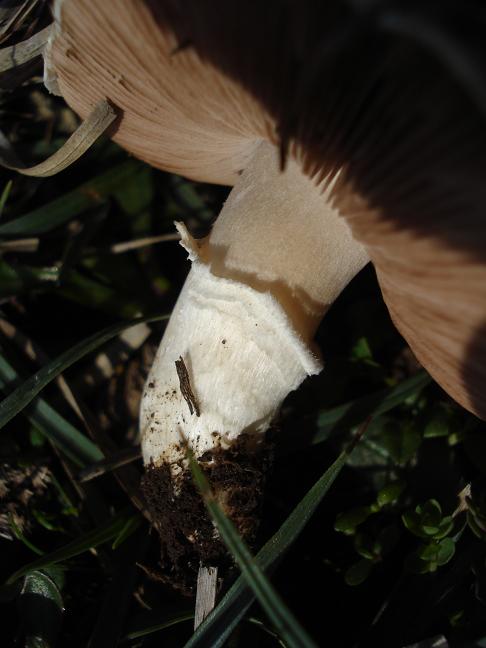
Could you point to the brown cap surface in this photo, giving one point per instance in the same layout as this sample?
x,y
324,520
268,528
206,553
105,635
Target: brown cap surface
x,y
393,95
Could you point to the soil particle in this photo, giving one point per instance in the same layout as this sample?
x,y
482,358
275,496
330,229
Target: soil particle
x,y
187,534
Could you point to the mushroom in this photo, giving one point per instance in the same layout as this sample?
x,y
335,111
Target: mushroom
x,y
276,101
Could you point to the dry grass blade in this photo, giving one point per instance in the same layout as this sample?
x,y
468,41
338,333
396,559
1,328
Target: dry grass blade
x,y
102,116
36,354
115,460
126,475
14,15
207,581
435,642
15,55
20,245
126,246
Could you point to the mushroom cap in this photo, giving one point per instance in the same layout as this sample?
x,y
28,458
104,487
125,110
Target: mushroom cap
x,y
392,95
178,113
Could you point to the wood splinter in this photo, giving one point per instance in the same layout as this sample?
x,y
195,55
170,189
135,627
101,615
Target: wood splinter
x,y
207,581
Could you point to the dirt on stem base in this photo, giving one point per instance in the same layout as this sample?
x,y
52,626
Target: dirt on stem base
x,y
188,537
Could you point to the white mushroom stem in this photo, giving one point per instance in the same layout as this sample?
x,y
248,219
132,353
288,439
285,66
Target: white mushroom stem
x,y
276,258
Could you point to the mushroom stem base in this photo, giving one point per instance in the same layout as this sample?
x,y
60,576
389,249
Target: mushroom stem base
x,y
187,534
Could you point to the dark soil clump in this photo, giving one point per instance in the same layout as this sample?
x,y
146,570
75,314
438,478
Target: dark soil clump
x,y
187,535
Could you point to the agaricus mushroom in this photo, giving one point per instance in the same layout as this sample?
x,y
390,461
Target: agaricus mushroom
x,y
313,111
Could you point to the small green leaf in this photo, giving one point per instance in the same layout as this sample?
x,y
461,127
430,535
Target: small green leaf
x,y
445,527
41,607
428,552
37,440
426,520
20,536
474,526
402,442
415,565
390,493
348,522
361,351
413,522
429,531
365,545
447,549
358,573
43,520
430,512
429,557
456,620
439,426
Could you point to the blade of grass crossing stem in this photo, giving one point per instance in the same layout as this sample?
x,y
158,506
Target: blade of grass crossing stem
x,y
91,539
29,389
279,614
217,627
72,443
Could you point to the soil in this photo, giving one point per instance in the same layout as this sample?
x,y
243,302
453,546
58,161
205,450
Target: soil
x,y
188,536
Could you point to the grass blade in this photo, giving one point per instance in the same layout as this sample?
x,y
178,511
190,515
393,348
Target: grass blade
x,y
91,539
20,53
286,625
217,627
72,443
63,209
379,402
4,195
143,632
130,527
90,129
21,537
29,389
